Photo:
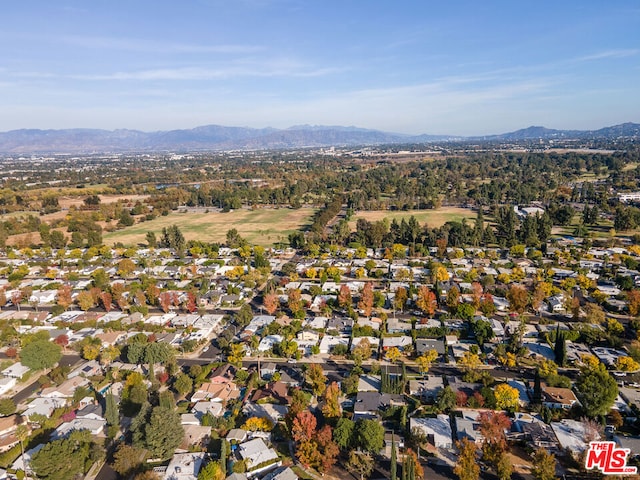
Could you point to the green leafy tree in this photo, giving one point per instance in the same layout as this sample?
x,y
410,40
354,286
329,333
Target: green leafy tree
x,y
369,435
7,407
183,384
343,433
41,354
446,399
163,433
596,389
64,459
211,471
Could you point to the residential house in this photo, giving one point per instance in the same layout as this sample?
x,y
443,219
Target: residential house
x,y
8,426
200,409
274,392
223,374
268,342
369,404
424,345
437,430
374,342
369,383
43,406
395,325
340,324
258,457
17,370
270,411
184,466
216,392
426,388
7,384
66,389
540,435
400,343
329,342
95,427
87,369
281,473
468,426
236,435
267,370
558,397
92,411
571,435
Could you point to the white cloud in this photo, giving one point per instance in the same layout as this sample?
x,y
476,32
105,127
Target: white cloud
x,y
150,46
620,53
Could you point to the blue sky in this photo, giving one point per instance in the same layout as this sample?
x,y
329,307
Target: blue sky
x,y
456,67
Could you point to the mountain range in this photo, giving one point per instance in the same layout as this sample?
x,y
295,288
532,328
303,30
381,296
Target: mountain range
x,y
216,137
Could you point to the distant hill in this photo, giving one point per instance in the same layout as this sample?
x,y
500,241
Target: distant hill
x,y
217,137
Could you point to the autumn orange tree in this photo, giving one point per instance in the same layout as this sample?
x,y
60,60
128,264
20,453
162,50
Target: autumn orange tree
x,y
315,448
426,301
294,301
331,407
492,427
476,294
518,298
106,301
366,299
64,296
633,302
344,297
271,303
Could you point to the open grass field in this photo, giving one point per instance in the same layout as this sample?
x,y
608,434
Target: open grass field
x,y
433,218
264,226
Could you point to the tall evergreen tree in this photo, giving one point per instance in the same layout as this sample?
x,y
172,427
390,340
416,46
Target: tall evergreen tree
x,y
112,415
394,460
560,347
223,456
537,389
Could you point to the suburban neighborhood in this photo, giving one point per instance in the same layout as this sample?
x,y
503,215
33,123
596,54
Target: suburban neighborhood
x,y
226,365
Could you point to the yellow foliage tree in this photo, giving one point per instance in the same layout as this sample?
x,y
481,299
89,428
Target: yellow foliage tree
x,y
469,361
90,352
440,273
627,364
256,423
425,360
393,354
547,368
590,361
507,397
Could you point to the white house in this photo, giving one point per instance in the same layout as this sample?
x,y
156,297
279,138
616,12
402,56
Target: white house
x,y
255,452
17,370
6,384
437,430
184,466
